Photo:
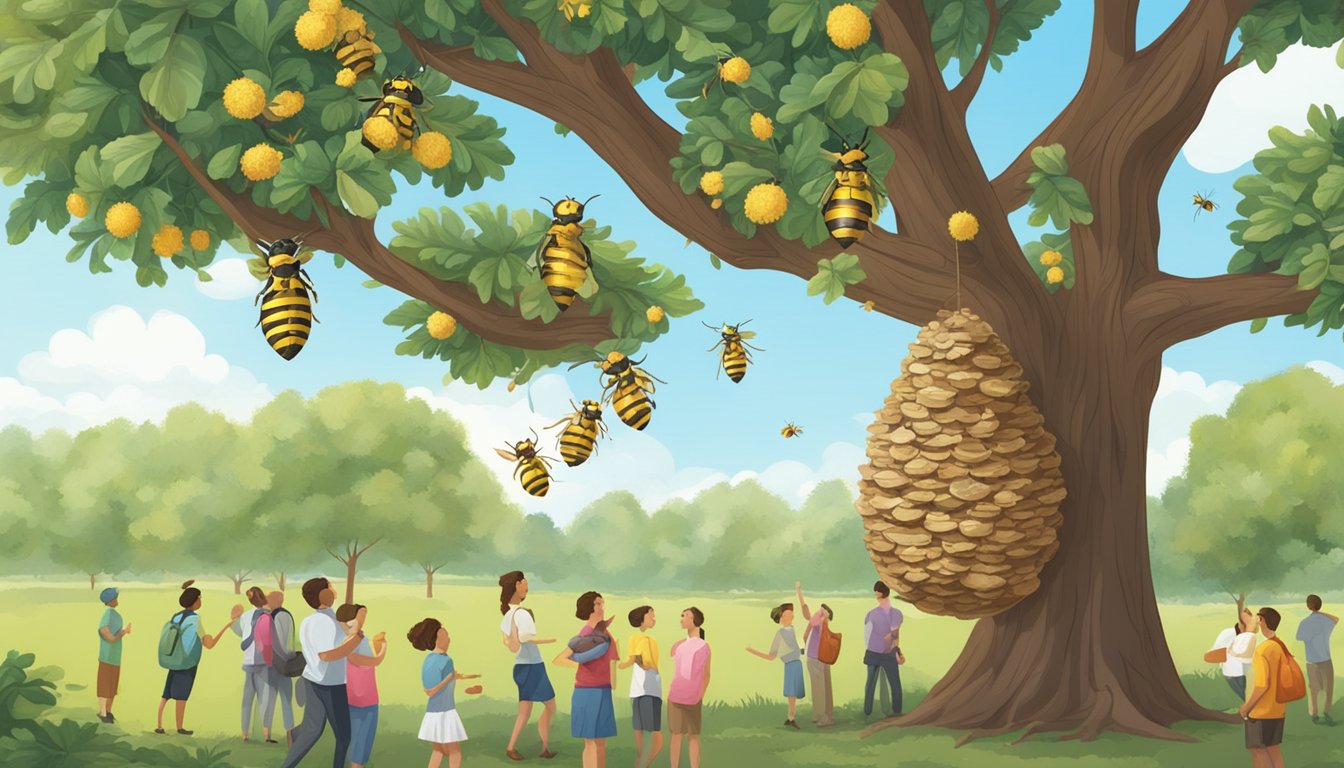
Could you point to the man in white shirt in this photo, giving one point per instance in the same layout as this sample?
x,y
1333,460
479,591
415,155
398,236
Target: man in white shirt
x,y
1237,646
325,648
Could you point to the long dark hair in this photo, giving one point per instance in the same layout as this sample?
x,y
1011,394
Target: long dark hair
x,y
508,584
189,594
698,619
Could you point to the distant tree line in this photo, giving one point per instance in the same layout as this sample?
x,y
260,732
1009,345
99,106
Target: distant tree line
x,y
360,479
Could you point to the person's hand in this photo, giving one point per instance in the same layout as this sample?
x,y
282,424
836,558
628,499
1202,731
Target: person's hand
x,y
1243,710
235,612
126,630
900,658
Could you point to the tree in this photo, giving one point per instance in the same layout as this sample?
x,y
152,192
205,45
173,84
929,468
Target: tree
x,y
90,529
91,106
1260,486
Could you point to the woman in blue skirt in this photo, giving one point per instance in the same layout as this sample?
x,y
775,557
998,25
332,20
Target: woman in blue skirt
x,y
592,716
785,648
519,628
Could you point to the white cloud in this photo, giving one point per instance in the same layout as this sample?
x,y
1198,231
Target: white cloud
x,y
631,461
231,281
124,367
1250,102
1182,397
1329,370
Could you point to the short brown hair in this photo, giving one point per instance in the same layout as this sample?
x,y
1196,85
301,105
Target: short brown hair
x,y
1271,618
586,604
777,612
312,591
348,612
425,634
1314,602
882,589
638,614
256,596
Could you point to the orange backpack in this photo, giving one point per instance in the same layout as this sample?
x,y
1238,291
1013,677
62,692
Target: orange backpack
x,y
1291,685
828,647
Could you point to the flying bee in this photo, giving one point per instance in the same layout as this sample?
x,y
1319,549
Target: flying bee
x,y
578,439
627,387
1203,203
791,430
286,306
562,256
401,97
854,197
735,357
357,50
535,468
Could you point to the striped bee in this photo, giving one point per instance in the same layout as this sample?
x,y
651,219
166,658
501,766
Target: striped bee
x,y
735,356
854,197
562,256
401,97
627,387
535,468
286,307
578,439
791,430
357,50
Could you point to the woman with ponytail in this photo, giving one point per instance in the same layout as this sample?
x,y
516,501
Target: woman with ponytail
x,y
180,647
519,629
690,680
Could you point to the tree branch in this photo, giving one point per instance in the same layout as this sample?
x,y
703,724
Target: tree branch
x,y
965,91
367,547
339,559
353,237
1172,309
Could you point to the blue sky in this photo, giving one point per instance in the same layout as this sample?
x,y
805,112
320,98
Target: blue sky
x,y
822,366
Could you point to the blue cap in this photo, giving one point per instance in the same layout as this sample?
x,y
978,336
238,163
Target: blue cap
x,y
108,595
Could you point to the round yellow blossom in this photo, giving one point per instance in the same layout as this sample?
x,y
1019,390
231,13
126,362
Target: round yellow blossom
x,y
711,183
762,127
380,132
314,30
200,239
260,162
325,7
766,203
244,98
441,325
1054,276
77,205
346,77
963,226
350,20
848,27
285,104
432,149
1051,258
654,314
735,70
122,219
716,203
167,241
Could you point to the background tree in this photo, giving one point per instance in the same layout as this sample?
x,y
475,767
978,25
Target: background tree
x,y
89,528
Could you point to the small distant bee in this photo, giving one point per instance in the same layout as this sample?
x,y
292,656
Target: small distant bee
x,y
562,256
854,196
535,468
286,308
357,50
1203,203
791,430
627,387
578,439
868,306
401,97
735,356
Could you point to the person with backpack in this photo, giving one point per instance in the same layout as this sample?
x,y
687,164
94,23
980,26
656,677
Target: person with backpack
x,y
519,629
180,644
785,648
279,643
246,626
326,646
882,650
821,647
1278,680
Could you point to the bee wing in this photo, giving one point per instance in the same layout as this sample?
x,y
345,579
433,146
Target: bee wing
x,y
508,455
747,334
880,198
589,286
258,268
830,190
569,419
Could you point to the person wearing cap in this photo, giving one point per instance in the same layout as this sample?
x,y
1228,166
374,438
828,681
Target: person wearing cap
x,y
110,632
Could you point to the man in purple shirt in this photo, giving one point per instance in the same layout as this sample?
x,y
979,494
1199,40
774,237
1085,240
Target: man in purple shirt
x,y
882,653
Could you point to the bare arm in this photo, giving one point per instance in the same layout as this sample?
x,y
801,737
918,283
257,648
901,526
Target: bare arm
x,y
210,642
566,658
705,687
762,654
114,638
798,589
341,651
1256,695
1333,618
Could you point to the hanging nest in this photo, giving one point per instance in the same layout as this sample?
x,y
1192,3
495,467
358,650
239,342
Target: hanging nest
x,y
960,498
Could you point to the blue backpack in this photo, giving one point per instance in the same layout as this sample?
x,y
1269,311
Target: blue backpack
x,y
172,652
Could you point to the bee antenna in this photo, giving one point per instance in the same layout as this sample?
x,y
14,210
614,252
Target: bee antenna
x,y
548,202
707,325
744,322
863,142
299,238
836,132
591,199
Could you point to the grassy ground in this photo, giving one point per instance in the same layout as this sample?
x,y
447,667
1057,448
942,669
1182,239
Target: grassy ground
x,y
742,724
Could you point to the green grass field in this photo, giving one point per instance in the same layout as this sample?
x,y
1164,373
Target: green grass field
x,y
742,725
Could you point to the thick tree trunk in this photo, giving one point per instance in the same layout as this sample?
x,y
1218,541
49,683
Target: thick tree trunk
x,y
429,580
350,566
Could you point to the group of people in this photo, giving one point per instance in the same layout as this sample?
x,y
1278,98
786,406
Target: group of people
x,y
1262,706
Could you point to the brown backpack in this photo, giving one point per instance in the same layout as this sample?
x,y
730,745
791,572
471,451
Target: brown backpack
x,y
1290,683
828,647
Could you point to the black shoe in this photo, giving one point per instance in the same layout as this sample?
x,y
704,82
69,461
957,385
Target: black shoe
x,y
105,718
111,718
159,730
793,724
184,732
272,741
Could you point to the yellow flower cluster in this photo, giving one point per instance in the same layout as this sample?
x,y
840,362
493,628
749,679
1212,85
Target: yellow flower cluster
x,y
762,127
441,325
167,242
654,314
200,239
963,226
315,30
260,162
432,149
77,205
380,132
122,219
735,70
244,98
766,203
848,26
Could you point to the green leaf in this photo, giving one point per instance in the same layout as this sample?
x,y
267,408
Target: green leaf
x,y
737,176
535,301
1258,324
173,85
128,158
1059,199
1050,159
833,275
225,162
149,40
715,262
1329,188
251,18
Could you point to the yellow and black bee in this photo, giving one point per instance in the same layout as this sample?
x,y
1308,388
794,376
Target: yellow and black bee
x,y
1203,203
562,256
578,439
854,197
357,51
401,97
791,430
286,305
627,387
735,356
535,468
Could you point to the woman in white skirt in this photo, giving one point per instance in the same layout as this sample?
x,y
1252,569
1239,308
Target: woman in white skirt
x,y
442,726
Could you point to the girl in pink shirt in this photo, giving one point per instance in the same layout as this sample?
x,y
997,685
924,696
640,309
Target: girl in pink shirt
x,y
361,686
